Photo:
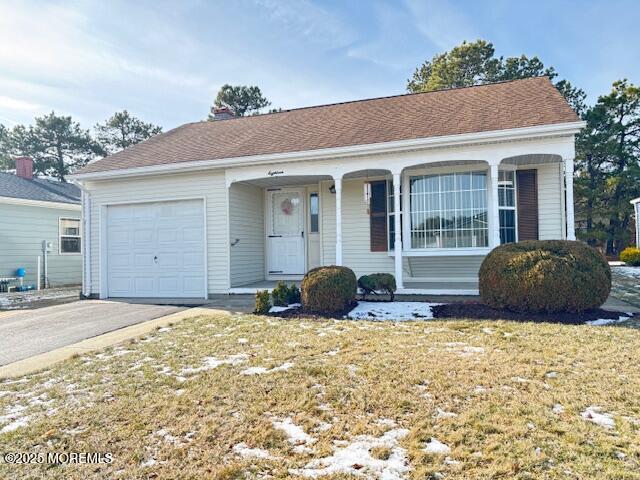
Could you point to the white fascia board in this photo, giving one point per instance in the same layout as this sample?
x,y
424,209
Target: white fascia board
x,y
350,151
39,203
635,200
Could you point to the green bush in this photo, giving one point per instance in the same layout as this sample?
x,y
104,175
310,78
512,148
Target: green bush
x,y
280,294
328,289
283,295
377,282
631,256
293,295
545,276
263,301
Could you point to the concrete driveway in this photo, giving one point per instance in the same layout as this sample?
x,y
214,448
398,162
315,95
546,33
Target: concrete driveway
x,y
27,333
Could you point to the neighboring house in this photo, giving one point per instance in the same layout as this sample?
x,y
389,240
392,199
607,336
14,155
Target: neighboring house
x,y
35,210
232,205
636,210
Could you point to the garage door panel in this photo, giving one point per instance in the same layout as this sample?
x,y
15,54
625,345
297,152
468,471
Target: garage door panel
x,y
167,235
143,259
191,285
173,233
191,234
169,286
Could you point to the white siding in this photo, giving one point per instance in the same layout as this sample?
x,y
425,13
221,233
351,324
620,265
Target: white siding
x,y
210,185
22,230
247,226
550,204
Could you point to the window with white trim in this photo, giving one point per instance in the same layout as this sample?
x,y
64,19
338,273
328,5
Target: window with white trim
x,y
449,210
507,206
391,219
70,239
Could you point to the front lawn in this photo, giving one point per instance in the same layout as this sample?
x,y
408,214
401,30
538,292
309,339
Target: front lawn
x,y
236,397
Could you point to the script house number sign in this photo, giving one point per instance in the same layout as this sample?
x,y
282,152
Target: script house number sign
x,y
273,173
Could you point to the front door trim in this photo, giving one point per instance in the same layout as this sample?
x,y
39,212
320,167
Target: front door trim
x,y
272,274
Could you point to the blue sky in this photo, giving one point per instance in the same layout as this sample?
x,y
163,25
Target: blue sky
x,y
164,61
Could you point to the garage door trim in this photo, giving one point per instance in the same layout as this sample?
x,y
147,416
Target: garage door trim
x,y
102,244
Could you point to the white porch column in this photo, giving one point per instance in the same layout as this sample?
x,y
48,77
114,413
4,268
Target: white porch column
x,y
397,178
568,179
494,210
338,187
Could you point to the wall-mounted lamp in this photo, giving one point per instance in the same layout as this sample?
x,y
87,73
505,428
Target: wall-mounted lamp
x,y
332,188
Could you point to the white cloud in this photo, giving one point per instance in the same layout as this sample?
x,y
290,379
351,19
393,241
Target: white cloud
x,y
440,23
17,104
313,22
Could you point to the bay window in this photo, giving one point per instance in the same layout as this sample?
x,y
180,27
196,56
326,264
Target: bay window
x,y
449,210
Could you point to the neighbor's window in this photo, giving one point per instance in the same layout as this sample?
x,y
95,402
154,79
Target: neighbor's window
x,y
449,210
69,235
314,212
507,204
391,224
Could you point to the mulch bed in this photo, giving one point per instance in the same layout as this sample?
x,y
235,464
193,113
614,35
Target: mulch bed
x,y
472,310
478,311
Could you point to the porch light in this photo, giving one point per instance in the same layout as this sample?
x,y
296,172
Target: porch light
x,y
332,188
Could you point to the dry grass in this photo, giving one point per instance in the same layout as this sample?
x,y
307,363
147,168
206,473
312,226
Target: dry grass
x,y
485,389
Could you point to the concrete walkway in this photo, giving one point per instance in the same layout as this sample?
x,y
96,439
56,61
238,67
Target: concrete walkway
x,y
24,334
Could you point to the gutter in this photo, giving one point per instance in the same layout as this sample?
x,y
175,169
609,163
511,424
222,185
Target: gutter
x,y
341,152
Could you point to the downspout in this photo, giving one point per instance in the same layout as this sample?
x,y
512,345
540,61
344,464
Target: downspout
x,y
86,240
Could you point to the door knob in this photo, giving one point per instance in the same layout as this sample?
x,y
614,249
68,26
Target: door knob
x,y
155,258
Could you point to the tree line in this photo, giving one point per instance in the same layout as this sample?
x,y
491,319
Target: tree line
x,y
607,149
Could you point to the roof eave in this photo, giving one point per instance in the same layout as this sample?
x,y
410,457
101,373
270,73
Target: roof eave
x,y
567,128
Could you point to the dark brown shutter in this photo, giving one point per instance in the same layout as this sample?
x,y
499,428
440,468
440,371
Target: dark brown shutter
x,y
378,216
527,188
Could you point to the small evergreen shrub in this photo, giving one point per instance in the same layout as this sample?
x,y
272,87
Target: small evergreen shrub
x,y
377,282
540,276
293,295
631,256
328,289
280,294
263,301
283,295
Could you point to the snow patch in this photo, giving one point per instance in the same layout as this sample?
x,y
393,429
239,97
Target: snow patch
x,y
243,450
355,458
633,272
300,440
276,309
263,370
604,419
392,311
557,409
607,321
436,447
209,363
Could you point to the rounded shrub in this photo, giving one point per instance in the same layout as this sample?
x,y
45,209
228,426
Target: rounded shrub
x,y
631,256
328,289
545,276
377,282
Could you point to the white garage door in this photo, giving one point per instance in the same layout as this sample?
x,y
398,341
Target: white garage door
x,y
156,249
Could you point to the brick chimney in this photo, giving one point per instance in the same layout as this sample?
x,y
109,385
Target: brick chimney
x,y
222,113
24,167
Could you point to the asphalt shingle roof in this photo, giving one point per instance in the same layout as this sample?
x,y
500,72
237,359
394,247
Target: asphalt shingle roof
x,y
500,106
40,189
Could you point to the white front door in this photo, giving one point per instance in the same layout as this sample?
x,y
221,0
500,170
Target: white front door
x,y
285,232
156,249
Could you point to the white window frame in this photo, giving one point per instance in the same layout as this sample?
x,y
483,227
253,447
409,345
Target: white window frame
x,y
389,192
60,235
515,201
406,227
